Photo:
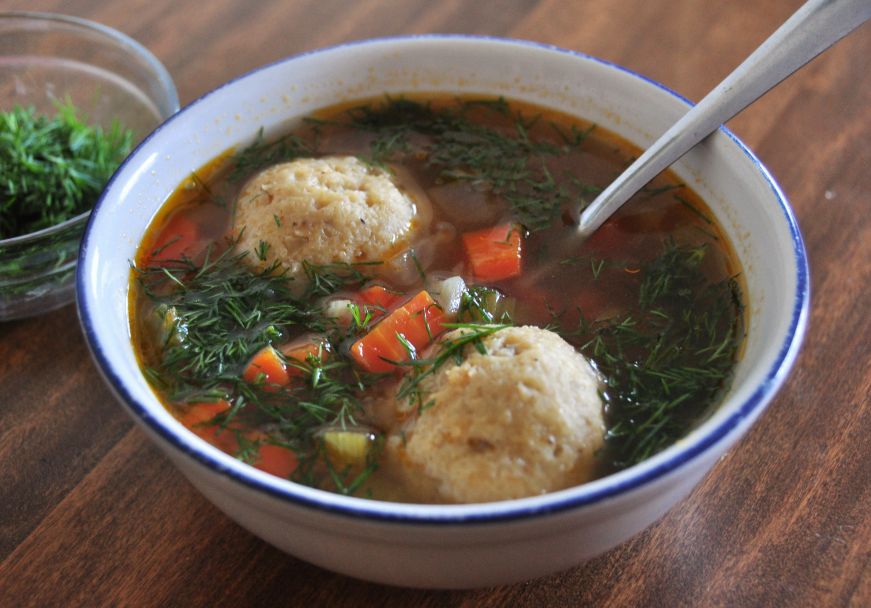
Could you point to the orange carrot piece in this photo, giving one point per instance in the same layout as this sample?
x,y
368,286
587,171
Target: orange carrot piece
x,y
267,367
198,418
379,295
300,352
377,300
494,253
271,458
178,238
276,460
418,321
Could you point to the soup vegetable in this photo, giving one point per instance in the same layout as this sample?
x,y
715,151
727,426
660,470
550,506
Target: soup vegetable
x,y
388,300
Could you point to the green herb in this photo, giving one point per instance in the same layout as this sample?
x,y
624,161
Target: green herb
x,y
230,313
508,163
451,348
666,360
326,279
692,208
210,319
262,153
53,169
650,191
480,304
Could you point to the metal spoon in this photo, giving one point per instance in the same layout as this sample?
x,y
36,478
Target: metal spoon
x,y
808,32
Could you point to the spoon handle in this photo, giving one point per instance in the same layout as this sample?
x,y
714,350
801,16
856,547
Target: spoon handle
x,y
808,32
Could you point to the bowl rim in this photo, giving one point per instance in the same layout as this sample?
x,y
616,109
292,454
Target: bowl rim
x,y
595,492
167,85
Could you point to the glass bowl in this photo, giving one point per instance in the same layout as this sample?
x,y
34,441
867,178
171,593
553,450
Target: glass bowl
x,y
46,59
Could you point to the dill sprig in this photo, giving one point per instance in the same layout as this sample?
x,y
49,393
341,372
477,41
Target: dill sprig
x,y
215,315
452,347
227,313
326,279
262,153
666,360
507,161
53,168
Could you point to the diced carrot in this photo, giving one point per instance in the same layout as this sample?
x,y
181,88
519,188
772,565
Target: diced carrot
x,y
271,458
379,296
198,419
377,300
300,352
198,413
276,460
178,238
494,253
267,367
418,321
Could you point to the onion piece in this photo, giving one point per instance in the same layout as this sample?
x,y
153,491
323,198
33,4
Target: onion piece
x,y
448,293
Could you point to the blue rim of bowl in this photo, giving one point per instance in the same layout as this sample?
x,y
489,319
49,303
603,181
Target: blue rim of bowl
x,y
521,509
166,84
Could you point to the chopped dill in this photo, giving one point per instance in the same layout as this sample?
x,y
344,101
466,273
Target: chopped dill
x,y
663,362
451,348
217,315
261,153
508,163
53,168
693,208
326,279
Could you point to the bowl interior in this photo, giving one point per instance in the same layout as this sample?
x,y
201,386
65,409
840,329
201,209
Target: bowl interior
x,y
742,195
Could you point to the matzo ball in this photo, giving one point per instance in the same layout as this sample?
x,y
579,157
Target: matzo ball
x,y
331,209
523,419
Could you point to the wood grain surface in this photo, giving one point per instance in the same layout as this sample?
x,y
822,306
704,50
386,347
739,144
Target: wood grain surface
x,y
92,515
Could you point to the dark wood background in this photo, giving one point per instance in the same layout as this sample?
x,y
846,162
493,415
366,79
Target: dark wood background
x,y
92,515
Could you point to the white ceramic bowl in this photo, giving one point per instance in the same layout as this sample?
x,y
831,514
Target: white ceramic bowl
x,y
455,545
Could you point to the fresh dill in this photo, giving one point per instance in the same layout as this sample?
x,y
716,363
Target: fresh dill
x,y
452,347
326,279
506,161
214,316
480,304
53,168
262,153
228,313
666,360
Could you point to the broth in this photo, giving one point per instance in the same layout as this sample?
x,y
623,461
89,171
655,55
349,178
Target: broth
x,y
651,299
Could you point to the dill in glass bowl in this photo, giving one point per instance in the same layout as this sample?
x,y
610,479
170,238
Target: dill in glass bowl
x,y
75,96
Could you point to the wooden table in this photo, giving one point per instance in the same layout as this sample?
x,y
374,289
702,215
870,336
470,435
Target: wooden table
x,y
92,515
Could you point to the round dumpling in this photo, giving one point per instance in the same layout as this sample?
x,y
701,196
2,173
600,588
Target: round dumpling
x,y
331,209
523,419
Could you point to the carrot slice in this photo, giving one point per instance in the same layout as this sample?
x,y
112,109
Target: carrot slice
x,y
494,253
177,239
198,418
198,413
379,295
377,300
300,353
267,367
276,460
418,321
